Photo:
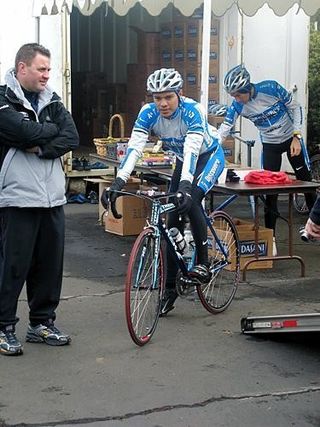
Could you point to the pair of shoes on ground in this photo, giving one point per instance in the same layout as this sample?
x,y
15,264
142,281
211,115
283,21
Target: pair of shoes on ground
x,y
77,198
83,164
48,334
80,164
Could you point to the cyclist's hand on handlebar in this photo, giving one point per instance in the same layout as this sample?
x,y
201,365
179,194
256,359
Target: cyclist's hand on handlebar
x,y
110,195
183,199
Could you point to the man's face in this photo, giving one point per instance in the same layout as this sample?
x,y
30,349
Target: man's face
x,y
166,102
34,76
243,98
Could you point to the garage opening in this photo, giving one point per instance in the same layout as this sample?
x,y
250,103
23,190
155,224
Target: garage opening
x,y
112,56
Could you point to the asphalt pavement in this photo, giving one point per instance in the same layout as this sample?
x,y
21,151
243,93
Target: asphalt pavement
x,y
198,370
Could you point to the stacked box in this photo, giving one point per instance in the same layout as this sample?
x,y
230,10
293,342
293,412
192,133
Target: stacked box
x,y
181,48
137,75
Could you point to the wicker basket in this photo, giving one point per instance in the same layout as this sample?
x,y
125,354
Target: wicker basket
x,y
101,146
106,147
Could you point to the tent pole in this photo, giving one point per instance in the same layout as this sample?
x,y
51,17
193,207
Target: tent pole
x,y
205,52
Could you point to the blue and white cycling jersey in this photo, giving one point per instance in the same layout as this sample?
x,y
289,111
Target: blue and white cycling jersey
x,y
186,133
271,109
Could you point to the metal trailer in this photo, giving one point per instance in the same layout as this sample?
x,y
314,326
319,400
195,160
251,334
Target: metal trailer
x,y
283,323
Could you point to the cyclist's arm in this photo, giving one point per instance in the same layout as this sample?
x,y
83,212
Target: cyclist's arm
x,y
191,150
312,226
294,108
315,212
195,120
137,142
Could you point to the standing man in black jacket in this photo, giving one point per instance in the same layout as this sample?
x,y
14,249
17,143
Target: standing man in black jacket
x,y
35,130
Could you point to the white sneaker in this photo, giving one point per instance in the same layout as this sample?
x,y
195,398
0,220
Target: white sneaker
x,y
274,247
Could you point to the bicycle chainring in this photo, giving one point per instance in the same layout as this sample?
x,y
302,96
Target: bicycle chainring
x,y
184,285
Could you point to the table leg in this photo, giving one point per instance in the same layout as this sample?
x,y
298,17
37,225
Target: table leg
x,y
290,255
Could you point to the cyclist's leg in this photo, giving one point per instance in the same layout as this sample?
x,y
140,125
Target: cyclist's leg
x,y
209,168
170,293
173,221
300,165
271,160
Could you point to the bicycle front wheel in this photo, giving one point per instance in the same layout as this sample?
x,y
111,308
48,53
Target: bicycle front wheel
x,y
218,293
144,286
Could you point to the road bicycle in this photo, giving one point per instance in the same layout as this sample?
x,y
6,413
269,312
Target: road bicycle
x,y
145,281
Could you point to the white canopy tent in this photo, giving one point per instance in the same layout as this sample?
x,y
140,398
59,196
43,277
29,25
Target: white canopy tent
x,y
186,7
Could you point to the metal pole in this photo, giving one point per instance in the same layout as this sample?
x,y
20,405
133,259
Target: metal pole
x,y
206,33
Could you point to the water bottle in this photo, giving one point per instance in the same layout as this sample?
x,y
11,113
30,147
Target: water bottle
x,y
188,252
178,239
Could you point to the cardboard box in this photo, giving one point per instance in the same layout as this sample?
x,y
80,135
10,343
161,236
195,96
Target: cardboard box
x,y
229,149
247,244
133,184
134,212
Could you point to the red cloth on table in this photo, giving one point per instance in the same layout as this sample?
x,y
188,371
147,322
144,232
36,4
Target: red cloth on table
x,y
264,177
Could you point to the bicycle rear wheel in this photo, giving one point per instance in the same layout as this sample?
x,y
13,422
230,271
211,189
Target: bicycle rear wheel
x,y
218,293
144,287
299,203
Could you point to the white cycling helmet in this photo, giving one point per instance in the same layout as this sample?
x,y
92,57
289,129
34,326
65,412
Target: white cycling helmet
x,y
237,80
219,110
164,80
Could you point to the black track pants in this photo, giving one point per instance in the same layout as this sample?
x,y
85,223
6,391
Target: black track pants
x,y
31,252
272,154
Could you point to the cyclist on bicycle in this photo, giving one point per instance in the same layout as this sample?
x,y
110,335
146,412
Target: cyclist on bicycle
x,y
181,125
278,117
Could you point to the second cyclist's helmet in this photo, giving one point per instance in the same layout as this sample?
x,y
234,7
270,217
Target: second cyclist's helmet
x,y
237,80
219,110
164,80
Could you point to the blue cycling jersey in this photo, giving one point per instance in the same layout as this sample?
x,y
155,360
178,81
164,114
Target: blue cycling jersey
x,y
272,110
186,133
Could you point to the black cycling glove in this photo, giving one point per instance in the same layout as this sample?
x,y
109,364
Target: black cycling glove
x,y
183,199
110,194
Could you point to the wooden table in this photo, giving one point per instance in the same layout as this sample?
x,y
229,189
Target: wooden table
x,y
163,172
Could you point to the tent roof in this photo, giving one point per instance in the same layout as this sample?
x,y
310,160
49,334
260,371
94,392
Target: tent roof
x,y
187,7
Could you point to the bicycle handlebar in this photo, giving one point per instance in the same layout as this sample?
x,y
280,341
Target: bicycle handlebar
x,y
249,142
144,194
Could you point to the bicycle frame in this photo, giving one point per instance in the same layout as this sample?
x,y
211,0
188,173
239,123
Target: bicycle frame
x,y
161,230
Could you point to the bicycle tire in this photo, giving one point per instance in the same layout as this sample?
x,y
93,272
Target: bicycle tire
x,y
299,203
218,293
142,295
